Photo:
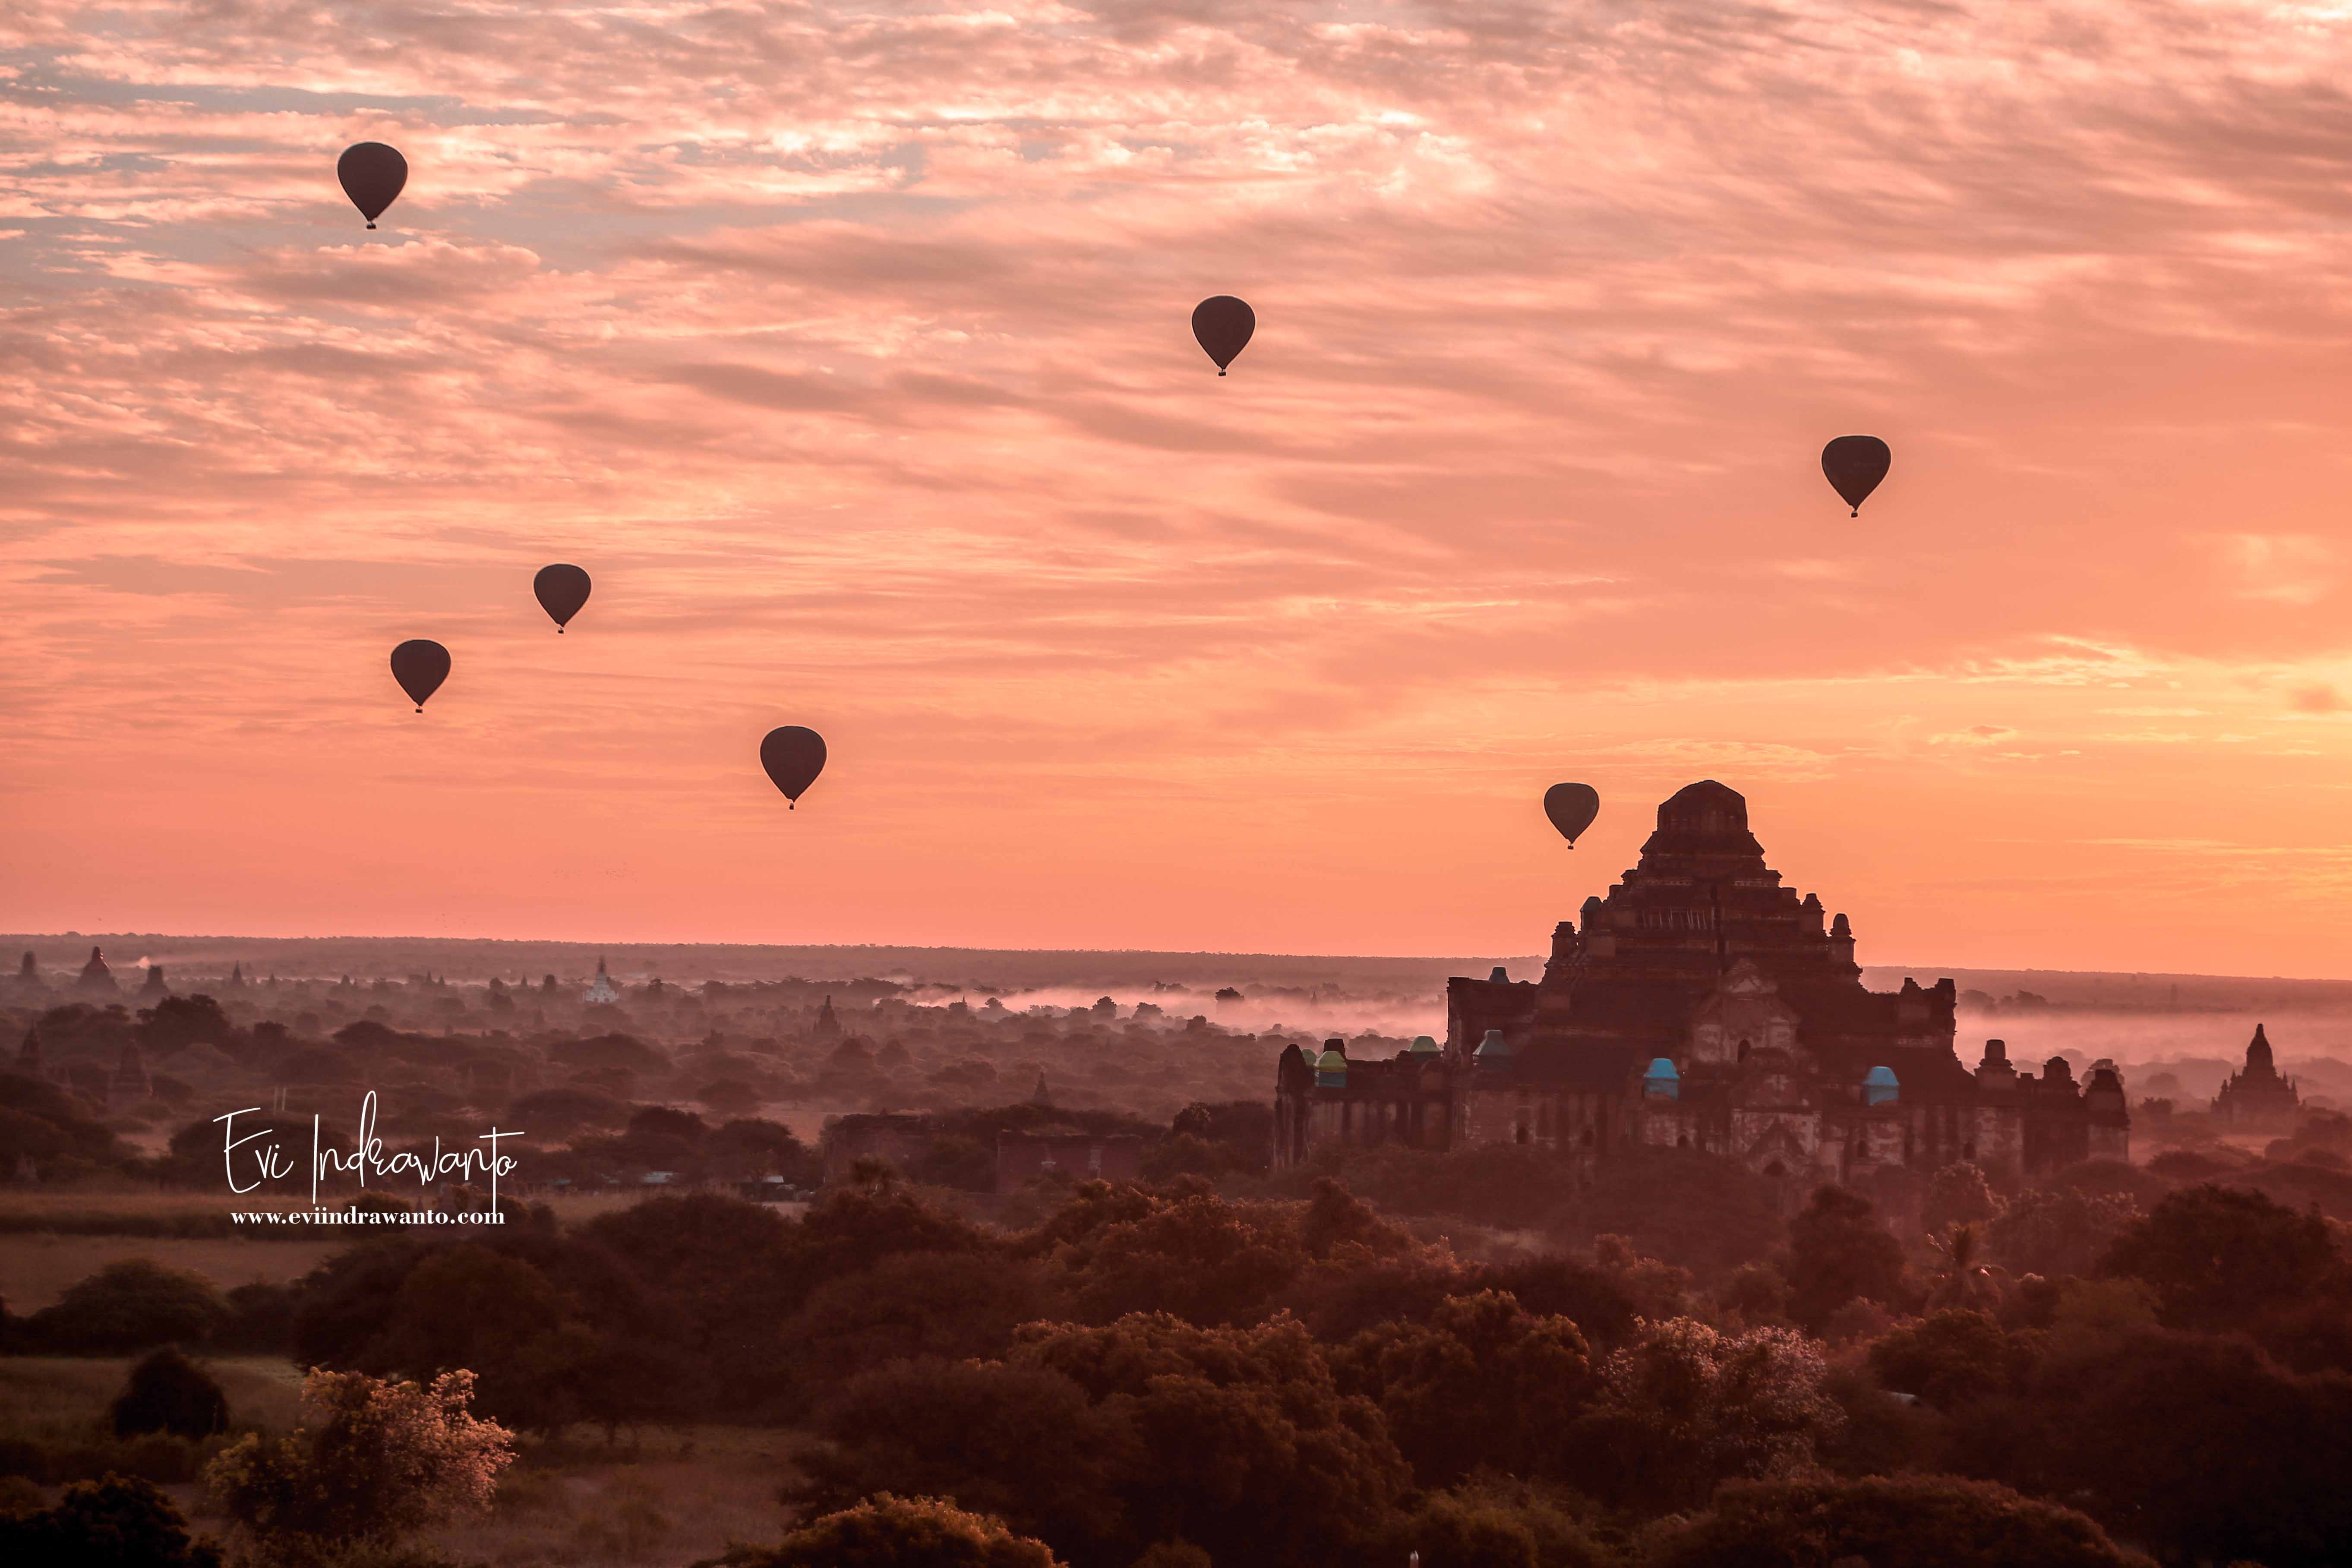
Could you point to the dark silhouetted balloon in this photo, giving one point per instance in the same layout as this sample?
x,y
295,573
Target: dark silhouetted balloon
x,y
420,664
561,591
1223,324
1854,465
794,757
373,175
1571,807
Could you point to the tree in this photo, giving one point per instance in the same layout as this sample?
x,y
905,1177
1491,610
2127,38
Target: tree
x,y
955,1306
41,1121
1958,1194
177,1021
1598,1300
110,1523
954,1161
856,1226
1480,1383
2217,1257
1203,1259
375,1461
1684,1407
131,1305
889,1532
470,1308
2199,1445
1102,1441
1892,1521
1963,1278
1946,1360
169,1392
1695,1210
560,1111
1838,1252
1490,1526
725,1271
749,1147
2055,1231
1022,1442
1248,1447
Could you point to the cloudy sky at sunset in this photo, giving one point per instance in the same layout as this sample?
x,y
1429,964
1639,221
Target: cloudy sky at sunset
x,y
847,347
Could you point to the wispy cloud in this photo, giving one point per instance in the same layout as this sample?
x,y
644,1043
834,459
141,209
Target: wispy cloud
x,y
847,348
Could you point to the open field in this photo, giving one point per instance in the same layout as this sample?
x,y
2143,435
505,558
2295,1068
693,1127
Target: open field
x,y
61,1396
37,1265
681,1494
29,1205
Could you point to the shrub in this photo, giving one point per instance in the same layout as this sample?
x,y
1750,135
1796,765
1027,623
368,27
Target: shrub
x,y
169,1392
887,1531
112,1523
383,1460
1895,1522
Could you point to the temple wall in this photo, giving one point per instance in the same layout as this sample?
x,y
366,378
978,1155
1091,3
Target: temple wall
x,y
1487,1114
1999,1133
1752,1130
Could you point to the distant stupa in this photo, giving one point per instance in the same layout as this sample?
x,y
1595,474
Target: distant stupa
x,y
828,1027
29,1053
1038,1096
2258,1095
154,987
29,974
600,989
236,976
96,976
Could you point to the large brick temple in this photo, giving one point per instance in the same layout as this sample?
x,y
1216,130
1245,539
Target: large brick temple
x,y
1704,1005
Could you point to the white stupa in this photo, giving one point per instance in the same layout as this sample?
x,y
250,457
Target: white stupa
x,y
602,990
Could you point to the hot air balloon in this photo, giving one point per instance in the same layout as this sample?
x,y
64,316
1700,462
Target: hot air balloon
x,y
420,664
1223,326
373,175
1571,807
794,757
1854,465
561,591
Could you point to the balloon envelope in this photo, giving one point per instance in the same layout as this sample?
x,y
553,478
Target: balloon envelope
x,y
1854,465
420,664
373,175
794,757
561,591
1222,325
1571,807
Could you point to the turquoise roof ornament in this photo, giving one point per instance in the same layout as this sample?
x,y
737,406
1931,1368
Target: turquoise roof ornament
x,y
1331,1067
1660,1080
1879,1087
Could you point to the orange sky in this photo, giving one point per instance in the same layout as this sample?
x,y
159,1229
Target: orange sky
x,y
847,348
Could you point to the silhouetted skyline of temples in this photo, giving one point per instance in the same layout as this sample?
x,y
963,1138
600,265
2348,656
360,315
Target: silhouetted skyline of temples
x,y
1702,1005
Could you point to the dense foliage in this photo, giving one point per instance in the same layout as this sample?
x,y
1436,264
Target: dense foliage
x,y
376,1461
1257,1374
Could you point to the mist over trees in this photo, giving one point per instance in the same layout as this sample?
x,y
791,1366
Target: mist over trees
x,y
1478,1355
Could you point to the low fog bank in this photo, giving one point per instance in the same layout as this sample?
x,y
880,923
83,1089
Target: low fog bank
x,y
985,971
2194,1027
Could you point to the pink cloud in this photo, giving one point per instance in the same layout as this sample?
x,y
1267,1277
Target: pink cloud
x,y
849,350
